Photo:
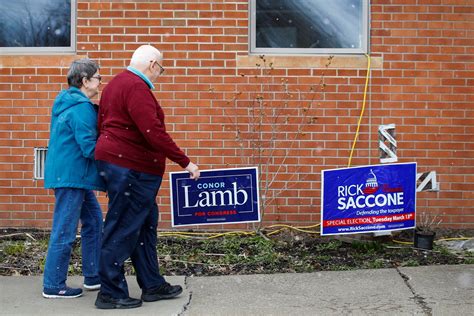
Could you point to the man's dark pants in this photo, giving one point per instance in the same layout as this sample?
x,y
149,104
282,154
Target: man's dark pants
x,y
130,230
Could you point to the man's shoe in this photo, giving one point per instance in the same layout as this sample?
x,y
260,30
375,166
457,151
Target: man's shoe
x,y
67,292
91,283
108,302
165,291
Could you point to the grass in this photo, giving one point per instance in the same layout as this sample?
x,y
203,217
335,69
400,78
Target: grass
x,y
282,253
232,250
469,261
238,255
14,249
410,263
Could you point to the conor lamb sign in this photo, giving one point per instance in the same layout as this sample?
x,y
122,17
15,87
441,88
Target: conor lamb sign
x,y
221,196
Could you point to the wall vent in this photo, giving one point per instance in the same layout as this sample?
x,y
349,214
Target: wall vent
x,y
40,160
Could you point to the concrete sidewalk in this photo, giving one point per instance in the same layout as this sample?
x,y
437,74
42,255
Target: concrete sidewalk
x,y
430,290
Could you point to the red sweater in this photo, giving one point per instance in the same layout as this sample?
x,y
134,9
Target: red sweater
x,y
132,131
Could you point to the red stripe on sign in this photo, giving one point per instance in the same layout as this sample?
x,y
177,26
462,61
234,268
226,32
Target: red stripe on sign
x,y
369,220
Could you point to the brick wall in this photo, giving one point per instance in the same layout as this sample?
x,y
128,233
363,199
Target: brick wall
x,y
422,80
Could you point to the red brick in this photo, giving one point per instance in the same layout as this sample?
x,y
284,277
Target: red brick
x,y
424,86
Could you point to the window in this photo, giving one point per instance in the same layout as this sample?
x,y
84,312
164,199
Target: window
x,y
37,26
309,26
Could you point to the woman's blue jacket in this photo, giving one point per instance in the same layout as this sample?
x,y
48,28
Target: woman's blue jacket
x,y
73,135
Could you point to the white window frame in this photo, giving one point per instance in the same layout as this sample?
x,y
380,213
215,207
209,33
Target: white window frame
x,y
48,50
305,51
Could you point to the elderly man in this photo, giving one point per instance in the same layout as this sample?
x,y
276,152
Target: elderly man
x,y
131,151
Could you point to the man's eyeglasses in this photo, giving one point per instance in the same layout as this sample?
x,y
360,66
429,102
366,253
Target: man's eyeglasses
x,y
162,70
98,77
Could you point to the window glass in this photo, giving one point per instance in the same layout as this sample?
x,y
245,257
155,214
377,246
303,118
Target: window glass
x,y
37,25
309,26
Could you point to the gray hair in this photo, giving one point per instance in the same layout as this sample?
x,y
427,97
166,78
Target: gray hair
x,y
81,68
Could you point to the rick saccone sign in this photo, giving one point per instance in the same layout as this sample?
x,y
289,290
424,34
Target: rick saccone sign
x,y
222,196
368,199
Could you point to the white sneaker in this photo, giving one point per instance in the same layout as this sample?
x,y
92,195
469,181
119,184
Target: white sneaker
x,y
91,287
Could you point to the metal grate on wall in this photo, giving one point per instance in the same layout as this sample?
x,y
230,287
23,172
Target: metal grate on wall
x,y
40,159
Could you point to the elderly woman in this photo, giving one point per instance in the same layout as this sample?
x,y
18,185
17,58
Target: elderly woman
x,y
71,171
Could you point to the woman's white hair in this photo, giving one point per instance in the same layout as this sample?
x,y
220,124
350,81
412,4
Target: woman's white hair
x,y
144,54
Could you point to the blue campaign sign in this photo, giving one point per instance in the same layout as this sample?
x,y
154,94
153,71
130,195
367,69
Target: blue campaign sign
x,y
368,199
220,196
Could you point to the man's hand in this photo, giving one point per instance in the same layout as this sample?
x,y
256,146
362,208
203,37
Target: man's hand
x,y
193,170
